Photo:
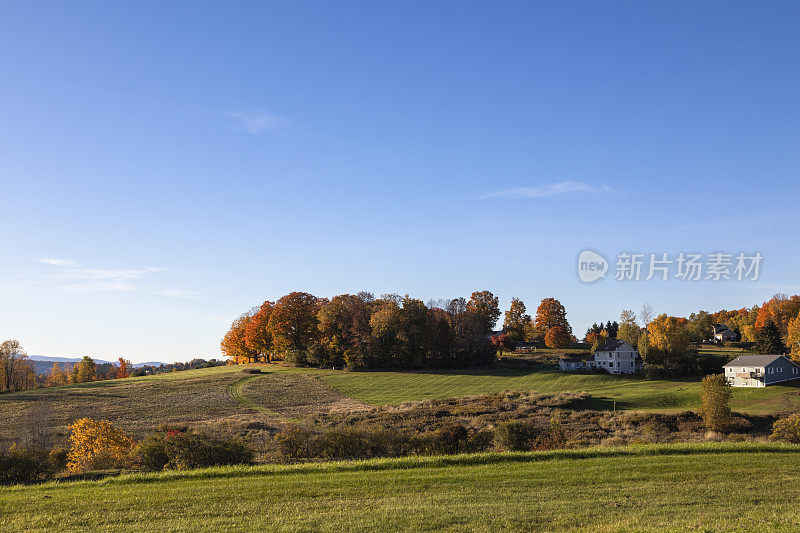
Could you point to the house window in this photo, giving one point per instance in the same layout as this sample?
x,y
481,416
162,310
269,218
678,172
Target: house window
x,y
794,370
769,371
780,370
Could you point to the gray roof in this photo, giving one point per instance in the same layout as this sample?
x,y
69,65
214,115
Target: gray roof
x,y
754,359
610,345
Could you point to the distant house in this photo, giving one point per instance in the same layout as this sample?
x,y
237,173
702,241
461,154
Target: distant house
x,y
754,370
617,357
572,364
723,333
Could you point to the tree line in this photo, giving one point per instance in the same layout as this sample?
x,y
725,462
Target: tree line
x,y
361,331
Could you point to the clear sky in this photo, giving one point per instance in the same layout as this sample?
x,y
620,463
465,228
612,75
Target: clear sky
x,y
167,165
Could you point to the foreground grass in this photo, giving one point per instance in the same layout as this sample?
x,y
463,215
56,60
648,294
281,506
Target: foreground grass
x,y
629,392
679,487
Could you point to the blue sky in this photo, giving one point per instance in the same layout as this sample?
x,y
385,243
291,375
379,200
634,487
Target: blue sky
x,y
165,166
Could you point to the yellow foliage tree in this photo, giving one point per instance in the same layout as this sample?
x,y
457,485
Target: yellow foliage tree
x,y
793,338
787,429
95,445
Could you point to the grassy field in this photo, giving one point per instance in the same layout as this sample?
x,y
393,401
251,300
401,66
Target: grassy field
x,y
629,392
282,393
716,487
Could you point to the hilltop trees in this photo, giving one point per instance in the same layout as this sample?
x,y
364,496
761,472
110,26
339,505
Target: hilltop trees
x,y
234,343
360,331
257,335
293,324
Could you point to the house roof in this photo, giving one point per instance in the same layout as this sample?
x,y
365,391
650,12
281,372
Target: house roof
x,y
753,359
610,345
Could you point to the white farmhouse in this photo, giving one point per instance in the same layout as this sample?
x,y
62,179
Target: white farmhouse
x,y
754,370
617,357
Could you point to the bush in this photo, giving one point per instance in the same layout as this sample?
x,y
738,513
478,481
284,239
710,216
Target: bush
x,y
174,448
516,435
352,443
787,429
25,466
97,445
715,395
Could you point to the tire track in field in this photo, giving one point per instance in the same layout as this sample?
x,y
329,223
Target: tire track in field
x,y
235,391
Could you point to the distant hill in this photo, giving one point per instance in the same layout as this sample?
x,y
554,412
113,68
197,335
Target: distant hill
x,y
44,363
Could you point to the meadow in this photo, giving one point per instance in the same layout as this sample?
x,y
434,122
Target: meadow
x,y
706,487
281,393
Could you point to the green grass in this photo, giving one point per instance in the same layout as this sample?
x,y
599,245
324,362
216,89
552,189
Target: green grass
x,y
715,487
629,392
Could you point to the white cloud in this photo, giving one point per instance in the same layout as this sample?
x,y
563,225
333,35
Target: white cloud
x,y
544,191
58,262
77,279
255,120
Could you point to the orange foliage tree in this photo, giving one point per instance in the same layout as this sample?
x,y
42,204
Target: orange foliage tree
x,y
549,314
123,370
780,310
257,335
557,337
96,445
668,335
293,322
234,344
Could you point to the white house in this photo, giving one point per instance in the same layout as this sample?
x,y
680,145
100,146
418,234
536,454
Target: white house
x,y
617,357
755,370
723,333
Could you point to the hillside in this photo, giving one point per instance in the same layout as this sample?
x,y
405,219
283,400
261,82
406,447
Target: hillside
x,y
227,395
652,488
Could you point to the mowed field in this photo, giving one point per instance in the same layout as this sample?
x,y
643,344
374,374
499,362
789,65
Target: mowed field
x,y
283,393
706,487
629,392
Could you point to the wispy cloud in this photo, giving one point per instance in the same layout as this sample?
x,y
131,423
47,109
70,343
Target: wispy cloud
x,y
58,262
255,120
77,279
543,191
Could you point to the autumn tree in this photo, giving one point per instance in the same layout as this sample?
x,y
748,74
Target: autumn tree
x,y
293,325
779,310
629,330
700,327
57,376
597,339
16,371
557,337
668,335
96,445
516,320
487,306
234,344
257,335
502,343
549,314
715,396
793,338
84,371
123,369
